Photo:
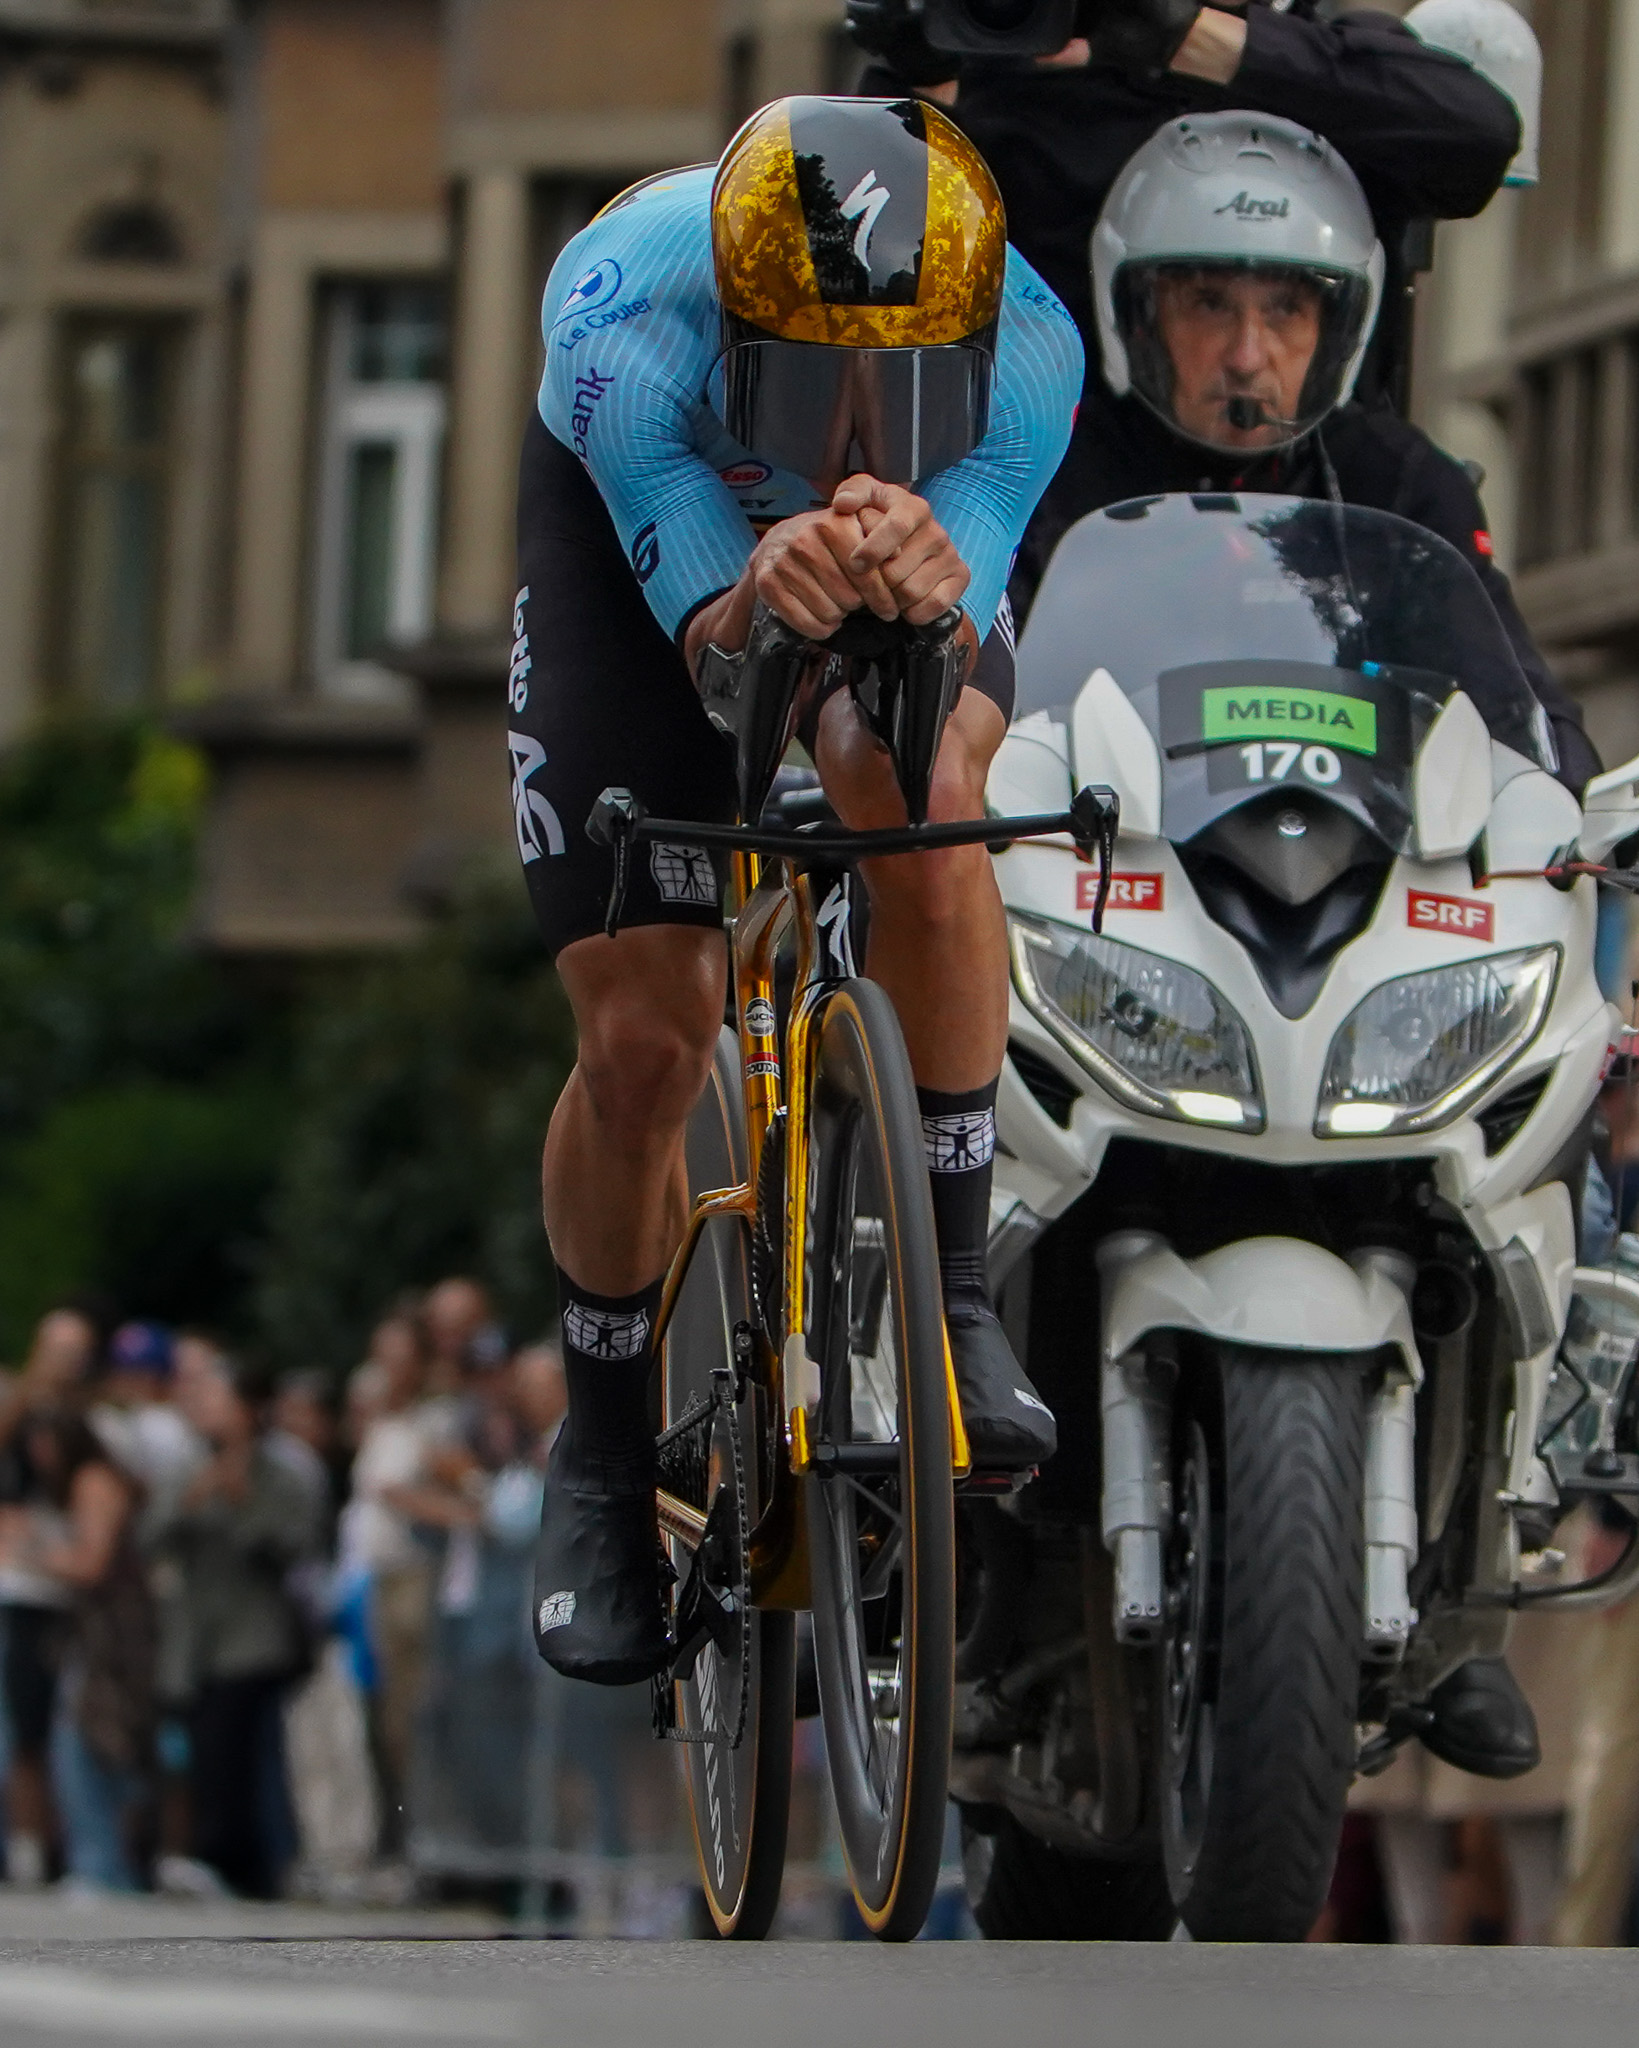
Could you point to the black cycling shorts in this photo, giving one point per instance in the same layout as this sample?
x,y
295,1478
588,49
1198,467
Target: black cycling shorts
x,y
600,699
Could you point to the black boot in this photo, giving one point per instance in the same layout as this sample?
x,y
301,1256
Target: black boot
x,y
597,1609
1010,1427
1483,1723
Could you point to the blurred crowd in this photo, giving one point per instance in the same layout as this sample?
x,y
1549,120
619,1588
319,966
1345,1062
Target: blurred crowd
x,y
245,1629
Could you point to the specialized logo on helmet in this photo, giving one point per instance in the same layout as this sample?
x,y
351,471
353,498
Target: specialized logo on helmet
x,y
865,204
1245,207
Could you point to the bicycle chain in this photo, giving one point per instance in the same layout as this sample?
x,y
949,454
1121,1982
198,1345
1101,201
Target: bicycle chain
x,y
689,1440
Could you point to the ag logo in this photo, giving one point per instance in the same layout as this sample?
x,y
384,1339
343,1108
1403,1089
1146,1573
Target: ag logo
x,y
1127,892
745,476
596,287
1459,915
865,204
645,553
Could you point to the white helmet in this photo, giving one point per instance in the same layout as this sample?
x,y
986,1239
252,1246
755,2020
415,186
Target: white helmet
x,y
1502,46
1245,192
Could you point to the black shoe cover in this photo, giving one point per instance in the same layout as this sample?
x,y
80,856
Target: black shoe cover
x,y
1483,1723
597,1610
1010,1427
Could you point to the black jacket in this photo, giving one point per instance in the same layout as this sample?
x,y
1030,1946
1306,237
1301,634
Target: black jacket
x,y
1425,134
1120,450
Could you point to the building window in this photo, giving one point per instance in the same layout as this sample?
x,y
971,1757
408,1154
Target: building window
x,y
137,233
384,414
118,379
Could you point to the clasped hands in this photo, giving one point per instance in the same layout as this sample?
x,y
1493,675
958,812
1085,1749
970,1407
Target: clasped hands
x,y
876,547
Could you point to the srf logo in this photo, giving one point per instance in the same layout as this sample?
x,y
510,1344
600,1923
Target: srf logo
x,y
1459,915
1127,892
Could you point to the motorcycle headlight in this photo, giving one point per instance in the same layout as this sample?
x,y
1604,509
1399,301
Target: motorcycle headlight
x,y
1417,1052
1156,1036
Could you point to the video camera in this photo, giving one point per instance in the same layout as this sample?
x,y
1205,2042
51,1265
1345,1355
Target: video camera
x,y
971,28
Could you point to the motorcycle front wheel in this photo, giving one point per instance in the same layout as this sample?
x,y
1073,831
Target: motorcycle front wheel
x,y
1262,1642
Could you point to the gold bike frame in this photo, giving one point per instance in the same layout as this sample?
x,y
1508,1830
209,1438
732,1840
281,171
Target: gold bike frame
x,y
769,901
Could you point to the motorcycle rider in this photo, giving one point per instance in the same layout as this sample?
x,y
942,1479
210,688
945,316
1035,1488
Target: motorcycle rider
x,y
1236,276
1428,136
729,350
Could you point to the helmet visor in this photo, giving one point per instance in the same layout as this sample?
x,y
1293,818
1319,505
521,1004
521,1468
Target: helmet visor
x,y
1240,357
824,412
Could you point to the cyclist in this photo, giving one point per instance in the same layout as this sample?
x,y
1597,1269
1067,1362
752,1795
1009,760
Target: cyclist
x,y
816,376
1236,279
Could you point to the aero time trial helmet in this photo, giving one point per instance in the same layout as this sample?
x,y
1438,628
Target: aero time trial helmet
x,y
860,248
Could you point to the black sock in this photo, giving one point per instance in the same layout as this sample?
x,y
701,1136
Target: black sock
x,y
608,1359
959,1134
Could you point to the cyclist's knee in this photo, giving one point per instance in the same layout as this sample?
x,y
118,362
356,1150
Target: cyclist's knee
x,y
648,1016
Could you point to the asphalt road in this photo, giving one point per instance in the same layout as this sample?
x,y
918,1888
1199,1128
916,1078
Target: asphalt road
x,y
801,1995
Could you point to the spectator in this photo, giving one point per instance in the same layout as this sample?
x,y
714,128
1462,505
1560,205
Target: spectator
x,y
34,1603
133,1415
378,1539
103,1725
458,1321
235,1532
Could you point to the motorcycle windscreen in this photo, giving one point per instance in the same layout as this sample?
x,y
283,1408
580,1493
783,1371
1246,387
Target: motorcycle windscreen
x,y
1271,642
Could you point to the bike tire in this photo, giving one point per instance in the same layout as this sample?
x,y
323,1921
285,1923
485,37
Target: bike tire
x,y
1022,1889
739,1796
1262,1651
881,1548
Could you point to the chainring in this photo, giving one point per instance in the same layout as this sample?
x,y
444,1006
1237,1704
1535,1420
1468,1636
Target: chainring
x,y
711,1604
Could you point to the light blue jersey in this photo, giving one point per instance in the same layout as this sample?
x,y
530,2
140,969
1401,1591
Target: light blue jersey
x,y
631,325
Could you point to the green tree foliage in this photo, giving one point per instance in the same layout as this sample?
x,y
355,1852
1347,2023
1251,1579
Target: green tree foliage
x,y
98,981
424,1084
198,1141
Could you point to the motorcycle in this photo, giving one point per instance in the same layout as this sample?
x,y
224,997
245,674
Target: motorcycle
x,y
1288,1168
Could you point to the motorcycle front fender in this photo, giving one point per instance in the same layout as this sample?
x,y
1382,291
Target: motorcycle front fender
x,y
1274,1293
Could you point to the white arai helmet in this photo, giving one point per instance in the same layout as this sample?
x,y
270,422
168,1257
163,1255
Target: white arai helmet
x,y
1235,191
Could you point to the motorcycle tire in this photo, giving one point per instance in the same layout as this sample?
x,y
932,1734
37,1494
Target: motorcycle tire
x,y
1261,1659
1022,1889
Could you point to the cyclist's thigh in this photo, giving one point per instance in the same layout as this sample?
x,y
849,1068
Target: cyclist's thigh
x,y
599,698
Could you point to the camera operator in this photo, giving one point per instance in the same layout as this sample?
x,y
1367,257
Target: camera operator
x,y
1427,135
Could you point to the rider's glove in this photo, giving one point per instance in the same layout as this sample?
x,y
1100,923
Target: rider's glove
x,y
1141,36
893,34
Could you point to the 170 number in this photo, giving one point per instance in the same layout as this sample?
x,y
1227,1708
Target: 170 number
x,y
1274,760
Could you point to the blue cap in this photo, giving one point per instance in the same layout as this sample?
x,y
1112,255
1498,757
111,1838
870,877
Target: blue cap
x,y
141,1347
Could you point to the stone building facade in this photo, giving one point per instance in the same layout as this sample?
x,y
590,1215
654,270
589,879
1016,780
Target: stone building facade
x,y
269,281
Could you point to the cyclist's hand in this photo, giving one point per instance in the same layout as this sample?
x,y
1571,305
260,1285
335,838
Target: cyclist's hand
x,y
800,570
905,545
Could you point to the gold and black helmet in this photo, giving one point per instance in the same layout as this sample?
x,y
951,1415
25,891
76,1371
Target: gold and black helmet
x,y
860,248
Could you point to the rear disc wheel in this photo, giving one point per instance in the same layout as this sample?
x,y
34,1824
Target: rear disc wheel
x,y
734,1710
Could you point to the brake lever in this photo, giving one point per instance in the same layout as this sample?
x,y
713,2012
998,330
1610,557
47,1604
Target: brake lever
x,y
612,822
1095,820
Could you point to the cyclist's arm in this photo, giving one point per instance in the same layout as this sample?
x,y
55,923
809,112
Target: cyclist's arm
x,y
985,501
622,398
